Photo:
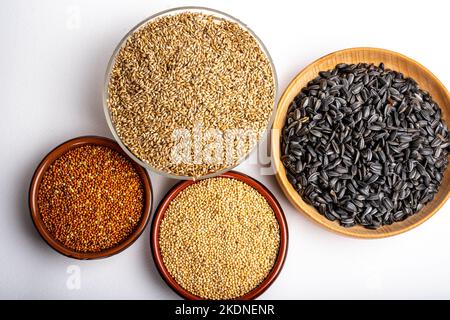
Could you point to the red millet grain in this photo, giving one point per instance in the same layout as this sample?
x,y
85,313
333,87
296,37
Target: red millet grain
x,y
91,198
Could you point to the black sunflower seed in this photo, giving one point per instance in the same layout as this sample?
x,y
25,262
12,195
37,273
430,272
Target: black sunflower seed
x,y
365,145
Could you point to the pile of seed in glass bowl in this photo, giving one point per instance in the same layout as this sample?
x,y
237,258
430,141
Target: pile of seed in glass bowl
x,y
190,94
365,145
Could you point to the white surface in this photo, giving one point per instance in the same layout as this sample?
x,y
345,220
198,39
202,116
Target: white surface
x,y
52,62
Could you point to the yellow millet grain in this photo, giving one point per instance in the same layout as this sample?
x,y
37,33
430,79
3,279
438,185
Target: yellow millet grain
x,y
219,238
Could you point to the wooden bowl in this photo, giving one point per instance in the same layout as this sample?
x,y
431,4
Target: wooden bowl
x,y
34,189
163,206
394,61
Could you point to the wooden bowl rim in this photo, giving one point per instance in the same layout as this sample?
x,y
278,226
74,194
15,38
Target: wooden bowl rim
x,y
270,198
36,182
281,172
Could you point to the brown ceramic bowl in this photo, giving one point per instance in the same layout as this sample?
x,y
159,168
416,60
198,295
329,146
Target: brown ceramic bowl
x,y
36,181
391,60
159,215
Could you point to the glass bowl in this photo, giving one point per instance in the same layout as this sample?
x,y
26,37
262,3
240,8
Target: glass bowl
x,y
169,12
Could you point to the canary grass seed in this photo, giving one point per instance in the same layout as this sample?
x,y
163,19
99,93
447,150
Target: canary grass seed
x,y
185,71
91,198
219,238
365,145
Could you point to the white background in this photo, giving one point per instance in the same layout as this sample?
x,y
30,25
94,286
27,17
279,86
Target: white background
x,y
53,58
